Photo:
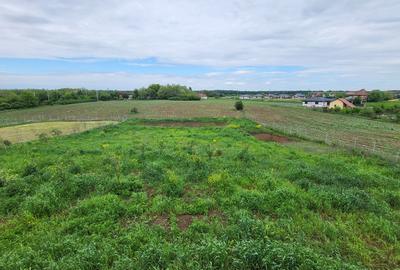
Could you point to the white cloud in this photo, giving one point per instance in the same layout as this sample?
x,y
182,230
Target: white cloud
x,y
234,83
242,72
360,37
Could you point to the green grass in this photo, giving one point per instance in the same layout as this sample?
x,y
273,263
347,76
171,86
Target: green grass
x,y
137,196
371,136
386,104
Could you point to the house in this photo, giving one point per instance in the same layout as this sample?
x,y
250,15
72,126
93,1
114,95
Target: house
x,y
317,94
319,102
258,96
340,103
244,97
330,103
272,96
202,96
362,94
284,96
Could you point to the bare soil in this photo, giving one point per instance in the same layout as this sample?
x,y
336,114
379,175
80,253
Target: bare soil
x,y
271,138
184,221
162,221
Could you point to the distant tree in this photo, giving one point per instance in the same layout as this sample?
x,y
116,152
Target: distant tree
x,y
340,95
135,94
239,105
357,101
377,95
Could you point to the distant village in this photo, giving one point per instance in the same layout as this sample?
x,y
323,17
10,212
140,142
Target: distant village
x,y
311,99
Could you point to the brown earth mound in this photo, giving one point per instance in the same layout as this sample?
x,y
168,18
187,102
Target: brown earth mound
x,y
162,221
271,138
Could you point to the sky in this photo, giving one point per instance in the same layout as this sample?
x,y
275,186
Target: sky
x,y
205,44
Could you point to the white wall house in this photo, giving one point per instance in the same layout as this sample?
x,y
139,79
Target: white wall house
x,y
244,97
317,102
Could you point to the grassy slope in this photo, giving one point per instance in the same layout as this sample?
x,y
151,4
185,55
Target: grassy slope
x,y
131,196
387,104
288,117
28,132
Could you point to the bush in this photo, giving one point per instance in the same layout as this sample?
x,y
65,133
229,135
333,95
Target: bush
x,y
239,105
134,110
244,155
173,185
75,169
7,142
45,202
124,186
56,132
29,169
378,110
153,172
43,137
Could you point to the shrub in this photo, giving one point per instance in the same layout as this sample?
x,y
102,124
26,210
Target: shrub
x,y
6,143
197,169
97,214
75,169
239,105
45,202
124,186
244,155
43,137
29,169
220,181
153,172
56,132
251,200
368,112
134,110
397,117
378,110
173,185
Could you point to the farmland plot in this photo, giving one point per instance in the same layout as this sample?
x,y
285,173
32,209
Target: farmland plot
x,y
193,196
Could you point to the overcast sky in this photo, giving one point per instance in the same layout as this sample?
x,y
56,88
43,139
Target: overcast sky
x,y
206,44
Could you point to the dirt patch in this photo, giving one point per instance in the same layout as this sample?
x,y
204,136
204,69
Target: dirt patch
x,y
266,137
184,124
162,221
150,191
184,221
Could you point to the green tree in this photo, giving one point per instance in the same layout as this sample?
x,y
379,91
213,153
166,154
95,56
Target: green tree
x,y
239,105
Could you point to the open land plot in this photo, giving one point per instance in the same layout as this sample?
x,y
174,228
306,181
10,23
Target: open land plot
x,y
128,196
29,132
382,138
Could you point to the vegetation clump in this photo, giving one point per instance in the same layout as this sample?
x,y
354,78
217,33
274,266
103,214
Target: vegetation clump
x,y
239,105
134,110
170,92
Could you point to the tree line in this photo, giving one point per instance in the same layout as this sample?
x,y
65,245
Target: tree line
x,y
28,98
18,99
169,91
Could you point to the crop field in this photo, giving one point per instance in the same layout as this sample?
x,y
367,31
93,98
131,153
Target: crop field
x,y
28,132
366,135
129,196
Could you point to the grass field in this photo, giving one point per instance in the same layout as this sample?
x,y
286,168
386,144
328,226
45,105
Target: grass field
x,y
129,196
381,138
28,132
387,104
